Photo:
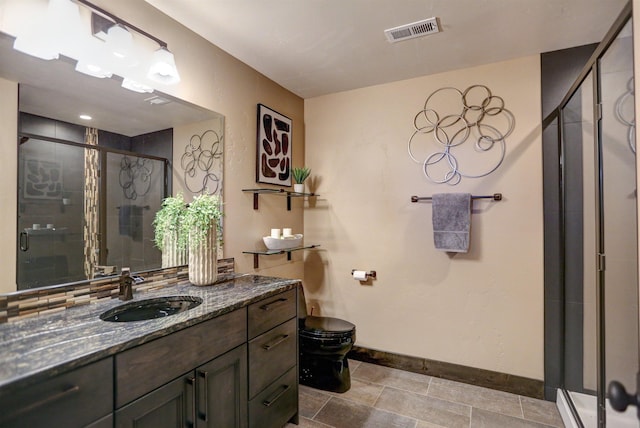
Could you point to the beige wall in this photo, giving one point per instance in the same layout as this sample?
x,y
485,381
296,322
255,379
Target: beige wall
x,y
213,79
482,309
8,181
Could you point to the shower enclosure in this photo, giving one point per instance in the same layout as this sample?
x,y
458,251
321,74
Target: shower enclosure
x,y
599,204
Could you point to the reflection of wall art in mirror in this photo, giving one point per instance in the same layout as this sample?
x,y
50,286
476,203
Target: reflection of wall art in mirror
x,y
201,163
273,164
42,179
135,176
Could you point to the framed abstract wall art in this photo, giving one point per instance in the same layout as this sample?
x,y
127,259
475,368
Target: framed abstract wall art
x,y
273,163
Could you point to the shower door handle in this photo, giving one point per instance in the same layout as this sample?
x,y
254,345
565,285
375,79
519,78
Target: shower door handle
x,y
620,399
24,241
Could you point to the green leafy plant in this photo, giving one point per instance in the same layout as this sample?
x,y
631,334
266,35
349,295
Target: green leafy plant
x,y
300,174
200,213
169,219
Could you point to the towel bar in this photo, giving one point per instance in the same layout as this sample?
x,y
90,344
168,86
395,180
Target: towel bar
x,y
495,197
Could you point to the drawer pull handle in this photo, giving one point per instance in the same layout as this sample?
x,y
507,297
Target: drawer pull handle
x,y
276,342
266,306
277,396
205,385
191,395
46,401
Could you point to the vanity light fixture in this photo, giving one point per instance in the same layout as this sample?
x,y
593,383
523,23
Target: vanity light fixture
x,y
163,67
118,37
114,50
49,34
119,42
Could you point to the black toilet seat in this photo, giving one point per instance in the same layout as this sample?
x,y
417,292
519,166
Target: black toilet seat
x,y
327,327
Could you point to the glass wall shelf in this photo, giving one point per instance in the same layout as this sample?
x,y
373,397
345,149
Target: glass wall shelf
x,y
281,192
258,253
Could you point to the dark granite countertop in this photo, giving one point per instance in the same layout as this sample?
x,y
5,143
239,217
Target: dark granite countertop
x,y
34,349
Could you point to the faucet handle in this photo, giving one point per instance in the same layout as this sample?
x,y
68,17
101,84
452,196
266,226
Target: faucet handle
x,y
125,271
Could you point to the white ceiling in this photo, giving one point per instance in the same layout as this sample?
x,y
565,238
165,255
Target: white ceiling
x,y
316,47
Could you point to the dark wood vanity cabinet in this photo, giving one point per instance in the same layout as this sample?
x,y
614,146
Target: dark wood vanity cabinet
x,y
82,397
245,372
236,370
273,353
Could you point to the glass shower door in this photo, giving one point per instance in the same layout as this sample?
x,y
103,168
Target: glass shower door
x,y
50,213
135,187
580,272
619,223
601,237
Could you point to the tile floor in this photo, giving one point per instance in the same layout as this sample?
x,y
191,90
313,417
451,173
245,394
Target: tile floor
x,y
381,397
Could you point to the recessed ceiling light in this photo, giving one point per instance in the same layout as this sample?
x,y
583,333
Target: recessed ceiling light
x,y
85,117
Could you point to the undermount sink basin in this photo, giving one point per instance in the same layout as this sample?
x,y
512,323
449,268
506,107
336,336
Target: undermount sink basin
x,y
151,308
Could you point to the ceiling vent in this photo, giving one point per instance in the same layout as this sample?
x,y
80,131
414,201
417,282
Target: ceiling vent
x,y
413,30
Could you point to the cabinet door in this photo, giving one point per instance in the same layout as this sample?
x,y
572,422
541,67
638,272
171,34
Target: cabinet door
x,y
222,391
169,406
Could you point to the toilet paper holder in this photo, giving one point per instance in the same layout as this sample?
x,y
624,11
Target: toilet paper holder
x,y
370,274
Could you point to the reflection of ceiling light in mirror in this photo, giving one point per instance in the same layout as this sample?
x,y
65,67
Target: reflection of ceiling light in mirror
x,y
92,69
85,117
30,43
163,67
132,85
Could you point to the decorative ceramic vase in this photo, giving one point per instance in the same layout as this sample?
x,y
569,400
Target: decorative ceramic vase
x,y
203,259
298,187
171,255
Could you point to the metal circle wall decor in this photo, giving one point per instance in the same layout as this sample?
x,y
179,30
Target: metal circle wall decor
x,y
135,176
198,161
458,121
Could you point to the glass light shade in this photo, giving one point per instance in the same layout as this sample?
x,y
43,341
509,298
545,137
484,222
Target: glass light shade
x,y
53,32
93,58
134,86
119,41
163,67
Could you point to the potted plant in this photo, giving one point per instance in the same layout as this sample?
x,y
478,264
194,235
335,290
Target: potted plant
x,y
300,175
168,237
202,223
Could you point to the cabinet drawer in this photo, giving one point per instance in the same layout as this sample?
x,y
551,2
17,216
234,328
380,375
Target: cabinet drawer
x,y
76,398
146,367
271,354
274,406
272,311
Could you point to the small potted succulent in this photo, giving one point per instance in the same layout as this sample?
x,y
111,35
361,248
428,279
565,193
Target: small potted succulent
x,y
168,235
202,222
300,175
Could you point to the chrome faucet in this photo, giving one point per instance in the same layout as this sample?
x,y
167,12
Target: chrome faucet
x,y
126,285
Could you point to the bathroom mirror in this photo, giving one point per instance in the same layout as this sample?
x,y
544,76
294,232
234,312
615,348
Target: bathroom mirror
x,y
54,90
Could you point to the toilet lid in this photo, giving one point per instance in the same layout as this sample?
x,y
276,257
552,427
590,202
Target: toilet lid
x,y
327,326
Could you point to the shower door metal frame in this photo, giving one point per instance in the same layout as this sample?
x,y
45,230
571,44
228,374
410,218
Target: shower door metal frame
x,y
592,66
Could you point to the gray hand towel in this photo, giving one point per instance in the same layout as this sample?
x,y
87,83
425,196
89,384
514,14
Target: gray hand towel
x,y
451,220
